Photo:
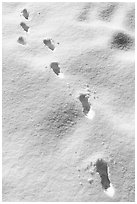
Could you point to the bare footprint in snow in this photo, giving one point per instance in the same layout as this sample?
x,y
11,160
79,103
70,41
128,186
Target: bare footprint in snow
x,y
85,104
25,13
21,41
49,44
87,108
102,169
24,26
56,69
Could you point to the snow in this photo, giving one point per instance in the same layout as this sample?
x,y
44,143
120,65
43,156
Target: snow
x,y
110,191
61,75
91,114
47,137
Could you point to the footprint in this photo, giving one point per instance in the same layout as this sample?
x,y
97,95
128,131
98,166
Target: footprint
x,y
102,169
49,44
25,13
122,41
24,26
56,69
87,108
21,41
85,104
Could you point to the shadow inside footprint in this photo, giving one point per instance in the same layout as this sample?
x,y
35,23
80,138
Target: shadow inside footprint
x,y
49,44
55,67
102,169
21,41
24,26
85,104
25,13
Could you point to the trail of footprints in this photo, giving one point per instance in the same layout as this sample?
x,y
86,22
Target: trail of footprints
x,y
21,40
47,42
121,41
83,98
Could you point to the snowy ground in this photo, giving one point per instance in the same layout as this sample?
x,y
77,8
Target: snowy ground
x,y
68,102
